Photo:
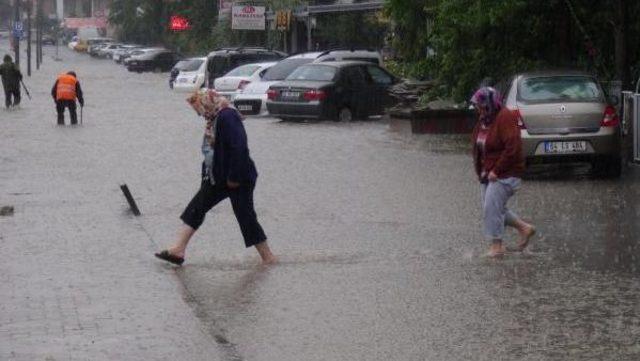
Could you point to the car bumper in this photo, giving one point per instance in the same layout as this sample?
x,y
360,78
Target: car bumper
x,y
251,105
138,67
310,110
231,95
604,142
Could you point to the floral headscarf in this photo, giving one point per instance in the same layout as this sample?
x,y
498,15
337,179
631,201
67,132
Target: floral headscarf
x,y
488,99
207,102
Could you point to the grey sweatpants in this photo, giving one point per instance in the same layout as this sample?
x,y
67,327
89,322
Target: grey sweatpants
x,y
496,215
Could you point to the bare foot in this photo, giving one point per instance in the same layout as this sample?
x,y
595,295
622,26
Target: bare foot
x,y
496,250
265,253
175,251
525,237
270,261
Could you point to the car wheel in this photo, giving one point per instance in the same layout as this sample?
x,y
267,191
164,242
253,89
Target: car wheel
x,y
344,115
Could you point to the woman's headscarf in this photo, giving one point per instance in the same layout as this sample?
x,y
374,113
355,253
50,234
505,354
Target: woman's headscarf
x,y
207,102
488,99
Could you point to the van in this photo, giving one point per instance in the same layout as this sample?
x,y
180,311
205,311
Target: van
x,y
221,61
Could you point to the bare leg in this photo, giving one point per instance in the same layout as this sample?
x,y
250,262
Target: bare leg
x,y
526,231
496,249
184,235
265,253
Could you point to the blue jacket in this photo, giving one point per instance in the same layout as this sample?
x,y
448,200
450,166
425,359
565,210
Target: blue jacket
x,y
231,151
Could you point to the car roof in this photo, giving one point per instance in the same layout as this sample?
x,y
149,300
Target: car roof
x,y
311,55
243,50
544,73
341,63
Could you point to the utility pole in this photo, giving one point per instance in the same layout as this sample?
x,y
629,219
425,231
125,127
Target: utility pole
x,y
38,33
28,39
16,37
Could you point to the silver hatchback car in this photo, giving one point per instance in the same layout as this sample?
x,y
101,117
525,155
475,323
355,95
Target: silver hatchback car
x,y
565,116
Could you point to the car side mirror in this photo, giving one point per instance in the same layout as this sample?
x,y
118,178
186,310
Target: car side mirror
x,y
614,100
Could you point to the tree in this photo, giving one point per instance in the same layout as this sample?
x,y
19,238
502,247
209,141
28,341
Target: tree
x,y
474,39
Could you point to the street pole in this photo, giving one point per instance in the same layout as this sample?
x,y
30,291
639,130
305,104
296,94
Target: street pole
x,y
38,33
16,39
29,39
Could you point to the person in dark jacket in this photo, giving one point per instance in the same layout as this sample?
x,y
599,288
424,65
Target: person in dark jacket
x,y
499,164
229,173
11,78
65,91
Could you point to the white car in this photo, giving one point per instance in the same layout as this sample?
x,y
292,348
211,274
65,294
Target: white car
x,y
140,52
191,76
234,82
119,54
253,98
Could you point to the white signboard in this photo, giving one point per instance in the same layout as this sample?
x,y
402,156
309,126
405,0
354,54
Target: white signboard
x,y
224,8
248,17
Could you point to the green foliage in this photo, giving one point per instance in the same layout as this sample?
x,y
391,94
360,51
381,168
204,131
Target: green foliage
x,y
475,39
358,29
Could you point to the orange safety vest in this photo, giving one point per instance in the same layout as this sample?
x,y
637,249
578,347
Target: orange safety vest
x,y
66,89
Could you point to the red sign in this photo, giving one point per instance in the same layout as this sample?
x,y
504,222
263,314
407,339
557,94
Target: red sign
x,y
179,23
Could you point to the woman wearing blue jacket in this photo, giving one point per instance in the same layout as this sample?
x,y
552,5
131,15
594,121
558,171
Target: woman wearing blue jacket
x,y
227,173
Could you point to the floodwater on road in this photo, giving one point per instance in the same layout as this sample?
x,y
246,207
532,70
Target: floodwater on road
x,y
378,233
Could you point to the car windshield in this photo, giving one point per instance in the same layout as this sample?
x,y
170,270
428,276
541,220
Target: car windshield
x,y
313,72
244,70
189,65
282,70
559,89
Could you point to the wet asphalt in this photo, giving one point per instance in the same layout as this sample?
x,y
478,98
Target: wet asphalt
x,y
377,230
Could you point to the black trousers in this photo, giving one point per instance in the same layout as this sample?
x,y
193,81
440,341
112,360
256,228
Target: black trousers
x,y
242,202
8,94
71,104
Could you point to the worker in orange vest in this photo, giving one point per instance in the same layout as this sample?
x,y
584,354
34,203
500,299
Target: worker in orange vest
x,y
65,91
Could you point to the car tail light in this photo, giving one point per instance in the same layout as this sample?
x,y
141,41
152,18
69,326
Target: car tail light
x,y
243,83
311,95
610,118
519,119
272,94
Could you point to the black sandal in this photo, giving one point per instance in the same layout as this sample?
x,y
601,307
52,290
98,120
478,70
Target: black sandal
x,y
166,256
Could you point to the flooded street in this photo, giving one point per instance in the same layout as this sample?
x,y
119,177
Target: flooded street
x,y
378,233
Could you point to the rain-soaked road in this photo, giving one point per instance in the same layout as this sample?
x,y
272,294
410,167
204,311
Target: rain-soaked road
x,y
377,230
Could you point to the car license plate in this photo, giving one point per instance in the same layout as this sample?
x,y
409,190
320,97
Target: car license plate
x,y
182,80
290,95
565,147
245,107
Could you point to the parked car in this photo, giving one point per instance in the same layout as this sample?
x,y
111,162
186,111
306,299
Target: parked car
x,y
157,61
48,39
108,50
252,100
93,44
94,50
342,91
154,60
190,75
221,61
121,54
232,83
565,116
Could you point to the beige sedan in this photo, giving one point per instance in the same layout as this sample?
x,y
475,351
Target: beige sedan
x,y
565,116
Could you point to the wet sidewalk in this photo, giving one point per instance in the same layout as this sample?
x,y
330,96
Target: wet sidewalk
x,y
77,279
